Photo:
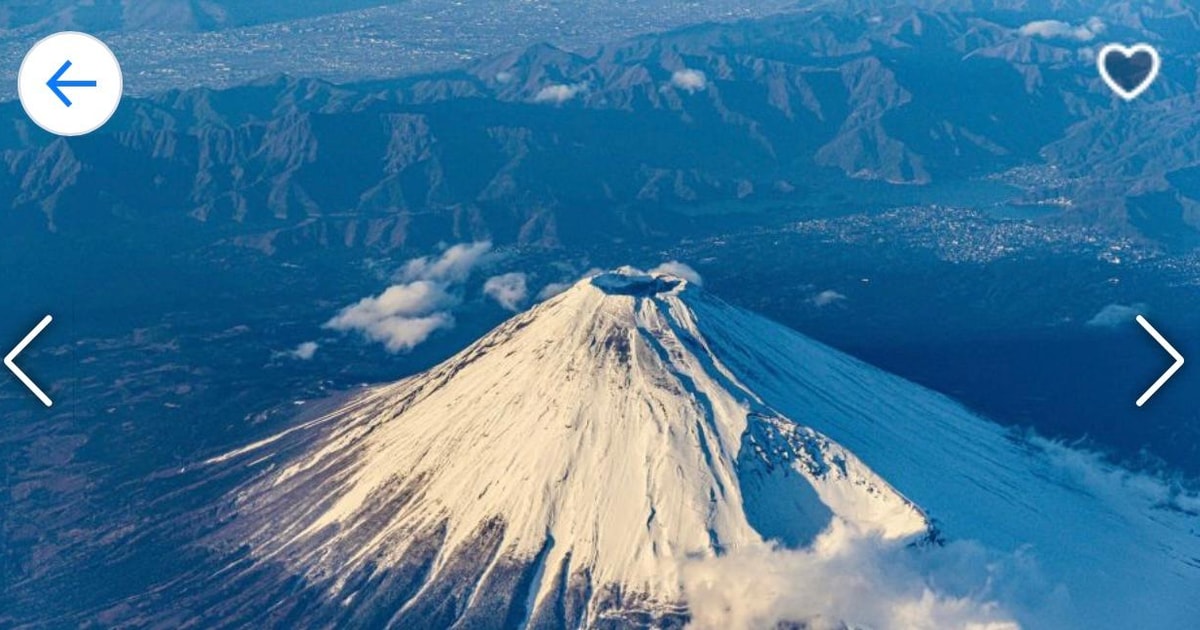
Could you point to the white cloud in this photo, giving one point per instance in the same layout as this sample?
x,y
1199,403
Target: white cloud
x,y
690,80
1054,29
853,579
453,265
304,351
509,290
559,93
1091,471
402,317
1115,315
863,581
406,314
401,334
553,289
676,268
400,300
827,297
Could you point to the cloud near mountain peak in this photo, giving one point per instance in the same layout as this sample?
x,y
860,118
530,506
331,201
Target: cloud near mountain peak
x,y
419,304
1056,29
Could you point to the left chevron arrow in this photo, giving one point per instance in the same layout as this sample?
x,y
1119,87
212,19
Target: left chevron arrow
x,y
10,361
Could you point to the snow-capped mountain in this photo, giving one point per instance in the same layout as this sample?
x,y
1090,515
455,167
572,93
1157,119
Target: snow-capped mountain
x,y
569,467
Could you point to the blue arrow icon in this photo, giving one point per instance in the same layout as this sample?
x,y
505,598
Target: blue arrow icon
x,y
56,83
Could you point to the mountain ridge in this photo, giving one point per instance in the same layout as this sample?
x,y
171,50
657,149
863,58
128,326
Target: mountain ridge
x,y
546,147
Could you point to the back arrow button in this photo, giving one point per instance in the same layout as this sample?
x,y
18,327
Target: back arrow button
x,y
57,83
24,378
1162,380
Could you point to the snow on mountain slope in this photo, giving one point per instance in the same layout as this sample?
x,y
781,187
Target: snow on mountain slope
x,y
1125,548
569,468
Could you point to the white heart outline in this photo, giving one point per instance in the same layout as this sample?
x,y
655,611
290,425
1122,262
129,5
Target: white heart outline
x,y
1129,51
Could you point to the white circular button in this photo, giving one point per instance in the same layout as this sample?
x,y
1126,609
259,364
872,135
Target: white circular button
x,y
70,83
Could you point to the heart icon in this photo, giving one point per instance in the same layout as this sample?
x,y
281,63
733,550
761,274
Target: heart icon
x,y
1128,70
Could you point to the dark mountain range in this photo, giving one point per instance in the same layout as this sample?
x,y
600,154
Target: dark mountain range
x,y
549,146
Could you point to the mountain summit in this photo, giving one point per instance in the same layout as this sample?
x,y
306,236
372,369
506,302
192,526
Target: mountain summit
x,y
565,469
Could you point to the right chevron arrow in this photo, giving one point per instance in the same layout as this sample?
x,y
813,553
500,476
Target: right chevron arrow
x,y
1162,380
